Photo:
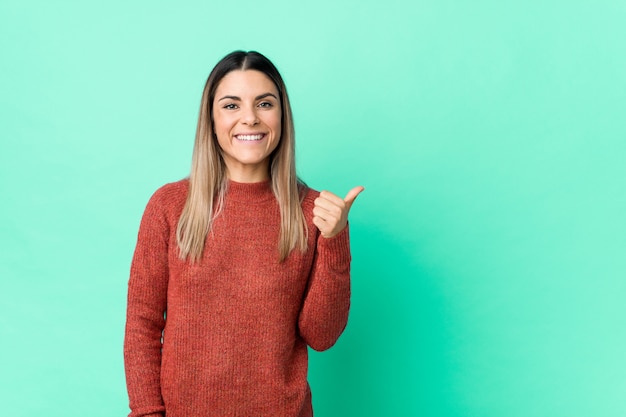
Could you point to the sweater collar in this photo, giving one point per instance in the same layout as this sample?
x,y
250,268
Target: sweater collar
x,y
250,191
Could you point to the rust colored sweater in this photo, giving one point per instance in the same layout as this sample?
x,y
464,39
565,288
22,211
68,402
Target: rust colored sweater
x,y
228,336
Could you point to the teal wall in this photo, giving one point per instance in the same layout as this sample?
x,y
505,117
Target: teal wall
x,y
489,247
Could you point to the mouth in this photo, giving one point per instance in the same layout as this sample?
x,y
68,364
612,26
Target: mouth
x,y
250,137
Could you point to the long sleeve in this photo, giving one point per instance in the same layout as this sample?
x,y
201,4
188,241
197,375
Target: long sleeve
x,y
238,321
145,321
324,313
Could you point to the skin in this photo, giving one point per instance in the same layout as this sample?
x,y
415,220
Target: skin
x,y
247,106
247,103
330,213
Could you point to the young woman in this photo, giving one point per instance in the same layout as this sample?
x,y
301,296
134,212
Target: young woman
x,y
238,268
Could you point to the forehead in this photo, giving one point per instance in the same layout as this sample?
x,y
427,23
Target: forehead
x,y
243,83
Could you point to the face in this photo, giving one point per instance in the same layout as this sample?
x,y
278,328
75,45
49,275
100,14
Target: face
x,y
247,122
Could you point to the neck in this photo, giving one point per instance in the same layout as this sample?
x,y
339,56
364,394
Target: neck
x,y
246,174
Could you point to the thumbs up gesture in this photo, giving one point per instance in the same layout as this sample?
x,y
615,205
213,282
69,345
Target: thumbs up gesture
x,y
330,213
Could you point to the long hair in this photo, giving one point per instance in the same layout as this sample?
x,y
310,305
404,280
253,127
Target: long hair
x,y
208,181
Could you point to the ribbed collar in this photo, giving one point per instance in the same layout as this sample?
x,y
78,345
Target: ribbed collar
x,y
250,192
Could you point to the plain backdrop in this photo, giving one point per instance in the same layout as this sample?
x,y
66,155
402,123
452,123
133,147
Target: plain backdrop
x,y
489,249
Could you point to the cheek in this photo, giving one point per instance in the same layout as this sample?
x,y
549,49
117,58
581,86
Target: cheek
x,y
276,123
218,122
222,127
221,131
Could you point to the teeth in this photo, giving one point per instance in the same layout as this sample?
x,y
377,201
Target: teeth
x,y
249,137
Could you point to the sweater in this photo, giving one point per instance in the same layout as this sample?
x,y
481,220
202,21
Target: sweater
x,y
228,335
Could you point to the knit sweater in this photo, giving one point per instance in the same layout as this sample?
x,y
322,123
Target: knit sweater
x,y
228,335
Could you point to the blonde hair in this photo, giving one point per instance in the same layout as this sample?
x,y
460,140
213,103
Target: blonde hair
x,y
208,181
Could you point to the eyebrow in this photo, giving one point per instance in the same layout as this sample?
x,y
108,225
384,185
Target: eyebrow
x,y
262,96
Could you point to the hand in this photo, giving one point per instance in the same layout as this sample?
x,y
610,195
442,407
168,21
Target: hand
x,y
330,213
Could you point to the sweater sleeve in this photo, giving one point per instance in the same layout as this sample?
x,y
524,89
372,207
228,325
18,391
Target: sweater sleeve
x,y
145,317
324,313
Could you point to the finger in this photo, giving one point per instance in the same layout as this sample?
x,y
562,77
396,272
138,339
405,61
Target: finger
x,y
330,206
324,214
333,198
352,195
320,223
326,229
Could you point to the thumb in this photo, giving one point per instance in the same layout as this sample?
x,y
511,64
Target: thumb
x,y
352,194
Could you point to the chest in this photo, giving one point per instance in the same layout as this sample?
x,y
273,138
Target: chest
x,y
240,262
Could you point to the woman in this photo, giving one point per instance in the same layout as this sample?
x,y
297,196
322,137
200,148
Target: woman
x,y
238,268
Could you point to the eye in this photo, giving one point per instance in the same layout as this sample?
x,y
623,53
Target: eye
x,y
230,106
266,104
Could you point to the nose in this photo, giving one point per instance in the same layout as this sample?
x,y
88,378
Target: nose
x,y
249,116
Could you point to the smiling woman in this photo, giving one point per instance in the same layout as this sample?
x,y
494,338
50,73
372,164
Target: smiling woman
x,y
239,268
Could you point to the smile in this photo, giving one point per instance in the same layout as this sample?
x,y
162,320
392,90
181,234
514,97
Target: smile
x,y
250,137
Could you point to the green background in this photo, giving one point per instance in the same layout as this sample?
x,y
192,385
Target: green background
x,y
489,270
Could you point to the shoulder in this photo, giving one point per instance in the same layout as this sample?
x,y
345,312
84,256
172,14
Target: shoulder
x,y
173,189
171,196
308,196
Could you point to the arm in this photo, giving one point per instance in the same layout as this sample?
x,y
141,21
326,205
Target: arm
x,y
147,301
324,314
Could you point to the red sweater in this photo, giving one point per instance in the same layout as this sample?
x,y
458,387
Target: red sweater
x,y
238,322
